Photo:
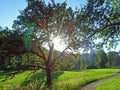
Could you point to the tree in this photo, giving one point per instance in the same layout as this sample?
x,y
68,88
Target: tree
x,y
112,58
68,61
12,44
43,23
102,59
93,63
117,61
101,19
82,61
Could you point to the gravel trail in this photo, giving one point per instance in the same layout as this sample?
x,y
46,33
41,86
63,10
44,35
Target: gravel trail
x,y
93,85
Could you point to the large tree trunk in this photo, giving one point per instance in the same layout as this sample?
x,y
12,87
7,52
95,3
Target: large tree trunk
x,y
49,78
48,66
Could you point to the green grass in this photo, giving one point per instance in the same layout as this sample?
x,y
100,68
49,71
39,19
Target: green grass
x,y
72,80
112,84
62,80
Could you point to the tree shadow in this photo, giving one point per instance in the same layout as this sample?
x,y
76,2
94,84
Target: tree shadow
x,y
55,75
32,76
9,74
39,76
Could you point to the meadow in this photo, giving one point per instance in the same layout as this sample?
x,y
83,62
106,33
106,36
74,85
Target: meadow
x,y
112,84
62,80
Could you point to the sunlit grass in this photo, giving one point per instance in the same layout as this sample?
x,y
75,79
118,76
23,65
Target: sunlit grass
x,y
71,80
62,80
17,80
112,84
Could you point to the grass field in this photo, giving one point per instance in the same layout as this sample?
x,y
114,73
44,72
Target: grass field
x,y
112,84
62,80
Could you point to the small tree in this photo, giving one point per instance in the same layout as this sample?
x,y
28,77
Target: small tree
x,y
82,60
112,55
102,59
93,63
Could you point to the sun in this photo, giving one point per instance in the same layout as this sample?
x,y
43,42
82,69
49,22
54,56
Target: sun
x,y
59,43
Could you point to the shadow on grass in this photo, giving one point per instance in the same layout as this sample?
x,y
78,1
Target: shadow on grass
x,y
55,75
39,76
32,76
9,74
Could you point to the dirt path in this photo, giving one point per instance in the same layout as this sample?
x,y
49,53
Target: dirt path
x,y
93,85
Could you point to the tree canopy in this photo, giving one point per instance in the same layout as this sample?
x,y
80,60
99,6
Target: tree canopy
x,y
101,19
42,23
12,44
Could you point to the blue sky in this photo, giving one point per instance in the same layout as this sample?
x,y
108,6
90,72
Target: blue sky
x,y
9,9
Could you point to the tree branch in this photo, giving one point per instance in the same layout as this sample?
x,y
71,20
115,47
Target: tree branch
x,y
43,58
53,62
31,66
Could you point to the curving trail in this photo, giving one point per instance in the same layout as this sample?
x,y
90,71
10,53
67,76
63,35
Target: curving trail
x,y
93,85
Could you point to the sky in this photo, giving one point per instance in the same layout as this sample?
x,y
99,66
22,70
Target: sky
x,y
9,9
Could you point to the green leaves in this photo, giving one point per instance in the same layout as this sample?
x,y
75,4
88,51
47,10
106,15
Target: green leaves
x,y
100,18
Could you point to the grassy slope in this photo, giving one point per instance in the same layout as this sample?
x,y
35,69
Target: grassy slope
x,y
112,84
67,80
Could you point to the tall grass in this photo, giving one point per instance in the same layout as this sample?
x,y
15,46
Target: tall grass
x,y
63,80
112,84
